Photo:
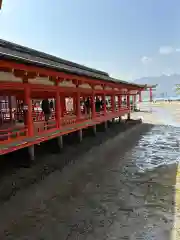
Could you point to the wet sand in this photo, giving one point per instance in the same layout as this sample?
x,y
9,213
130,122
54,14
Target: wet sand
x,y
172,108
123,185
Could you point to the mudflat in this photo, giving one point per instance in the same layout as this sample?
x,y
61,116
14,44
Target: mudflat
x,y
121,184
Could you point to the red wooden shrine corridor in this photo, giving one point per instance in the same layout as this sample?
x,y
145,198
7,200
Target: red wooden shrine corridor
x,y
27,77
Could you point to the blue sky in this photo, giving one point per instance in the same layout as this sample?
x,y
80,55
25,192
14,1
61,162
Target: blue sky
x,y
127,38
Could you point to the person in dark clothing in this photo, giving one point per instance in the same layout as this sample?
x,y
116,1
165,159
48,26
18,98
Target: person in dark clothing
x,y
98,105
51,105
124,102
87,105
46,109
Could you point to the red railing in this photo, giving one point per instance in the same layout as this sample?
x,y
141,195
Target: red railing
x,y
11,134
39,116
41,126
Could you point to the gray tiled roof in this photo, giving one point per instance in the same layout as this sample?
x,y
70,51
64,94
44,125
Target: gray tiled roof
x,y
26,55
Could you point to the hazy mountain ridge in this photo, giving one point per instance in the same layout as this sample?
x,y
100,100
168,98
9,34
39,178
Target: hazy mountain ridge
x,y
166,84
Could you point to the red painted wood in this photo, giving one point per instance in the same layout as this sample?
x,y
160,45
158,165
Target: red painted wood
x,y
28,114
60,117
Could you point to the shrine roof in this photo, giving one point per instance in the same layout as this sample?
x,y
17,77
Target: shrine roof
x,y
12,51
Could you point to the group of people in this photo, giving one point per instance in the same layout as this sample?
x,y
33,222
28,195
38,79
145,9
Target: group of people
x,y
47,106
88,105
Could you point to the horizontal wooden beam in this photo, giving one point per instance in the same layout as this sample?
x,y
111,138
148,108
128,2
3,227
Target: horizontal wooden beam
x,y
34,70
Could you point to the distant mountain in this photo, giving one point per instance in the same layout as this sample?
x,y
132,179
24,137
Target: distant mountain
x,y
166,84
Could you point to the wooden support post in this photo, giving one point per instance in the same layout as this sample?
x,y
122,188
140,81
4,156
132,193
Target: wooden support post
x,y
31,153
60,142
28,115
94,130
80,135
54,145
105,125
58,109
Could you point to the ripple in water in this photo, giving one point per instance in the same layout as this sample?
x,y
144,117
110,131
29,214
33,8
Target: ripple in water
x,y
159,147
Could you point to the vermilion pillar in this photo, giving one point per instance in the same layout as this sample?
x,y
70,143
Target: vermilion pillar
x,y
63,105
74,103
58,109
28,115
150,94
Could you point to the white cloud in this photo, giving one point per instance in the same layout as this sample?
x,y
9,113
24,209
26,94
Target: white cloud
x,y
166,50
146,60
